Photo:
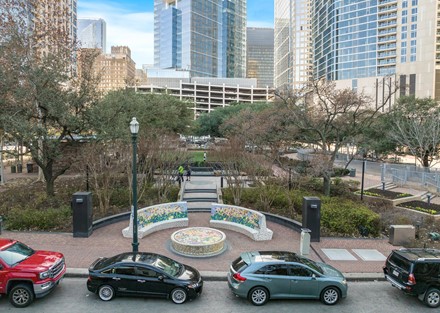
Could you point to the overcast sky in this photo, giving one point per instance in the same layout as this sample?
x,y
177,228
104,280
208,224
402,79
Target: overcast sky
x,y
131,23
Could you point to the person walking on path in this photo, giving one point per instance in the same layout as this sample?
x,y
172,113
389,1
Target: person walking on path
x,y
204,156
181,171
188,174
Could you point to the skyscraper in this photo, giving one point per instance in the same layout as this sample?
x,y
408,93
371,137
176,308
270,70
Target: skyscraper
x,y
367,45
293,43
208,38
259,53
92,33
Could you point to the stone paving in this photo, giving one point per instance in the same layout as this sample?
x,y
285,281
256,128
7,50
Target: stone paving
x,y
108,241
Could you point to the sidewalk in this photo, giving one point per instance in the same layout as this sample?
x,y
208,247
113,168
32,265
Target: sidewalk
x,y
358,259
108,241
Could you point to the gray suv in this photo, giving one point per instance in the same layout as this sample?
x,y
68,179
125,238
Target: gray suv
x,y
260,276
416,272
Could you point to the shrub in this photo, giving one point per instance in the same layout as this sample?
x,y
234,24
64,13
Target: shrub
x,y
37,219
348,218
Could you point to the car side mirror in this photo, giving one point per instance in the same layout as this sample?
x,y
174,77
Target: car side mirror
x,y
160,277
313,276
1,267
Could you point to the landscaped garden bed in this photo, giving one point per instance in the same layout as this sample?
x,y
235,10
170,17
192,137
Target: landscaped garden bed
x,y
422,206
386,194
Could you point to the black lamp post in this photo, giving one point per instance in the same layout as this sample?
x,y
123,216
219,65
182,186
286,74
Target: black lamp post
x,y
134,128
362,180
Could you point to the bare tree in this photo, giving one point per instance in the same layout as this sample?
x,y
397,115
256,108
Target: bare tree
x,y
107,164
415,124
330,118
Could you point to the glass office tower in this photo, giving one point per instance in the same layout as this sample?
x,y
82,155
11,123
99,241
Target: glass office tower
x,y
293,43
259,63
207,38
92,33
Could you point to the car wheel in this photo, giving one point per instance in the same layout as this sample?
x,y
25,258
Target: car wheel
x,y
330,295
432,298
21,296
106,292
258,296
178,295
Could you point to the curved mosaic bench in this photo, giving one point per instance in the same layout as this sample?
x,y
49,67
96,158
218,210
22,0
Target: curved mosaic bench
x,y
158,217
248,222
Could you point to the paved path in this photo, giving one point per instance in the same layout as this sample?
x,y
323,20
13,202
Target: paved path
x,y
349,255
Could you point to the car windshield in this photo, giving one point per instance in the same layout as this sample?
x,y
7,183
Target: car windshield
x,y
311,264
16,253
169,266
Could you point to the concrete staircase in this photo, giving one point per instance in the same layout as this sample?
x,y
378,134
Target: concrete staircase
x,y
199,194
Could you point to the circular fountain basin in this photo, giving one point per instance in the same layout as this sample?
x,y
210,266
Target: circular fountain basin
x,y
198,241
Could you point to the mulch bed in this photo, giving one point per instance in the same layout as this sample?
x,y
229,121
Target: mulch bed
x,y
416,205
422,206
388,194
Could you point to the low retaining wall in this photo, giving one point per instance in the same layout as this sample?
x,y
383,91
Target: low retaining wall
x,y
158,217
248,222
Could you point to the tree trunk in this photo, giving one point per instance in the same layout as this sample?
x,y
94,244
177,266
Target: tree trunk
x,y
326,184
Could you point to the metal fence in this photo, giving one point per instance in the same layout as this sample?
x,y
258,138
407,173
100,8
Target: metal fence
x,y
399,174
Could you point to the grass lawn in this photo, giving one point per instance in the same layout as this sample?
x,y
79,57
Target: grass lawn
x,y
197,156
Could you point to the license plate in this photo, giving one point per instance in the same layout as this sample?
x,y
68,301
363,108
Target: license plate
x,y
395,273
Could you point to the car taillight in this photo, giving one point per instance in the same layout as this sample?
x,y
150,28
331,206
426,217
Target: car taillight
x,y
411,279
238,277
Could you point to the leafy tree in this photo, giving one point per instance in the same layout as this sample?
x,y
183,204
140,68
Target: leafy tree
x,y
415,124
44,103
209,123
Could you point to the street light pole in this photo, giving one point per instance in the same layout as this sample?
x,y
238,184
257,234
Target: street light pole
x,y
362,181
134,128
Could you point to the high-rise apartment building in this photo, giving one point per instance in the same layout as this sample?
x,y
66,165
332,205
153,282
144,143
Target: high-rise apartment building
x,y
92,33
372,45
206,37
259,55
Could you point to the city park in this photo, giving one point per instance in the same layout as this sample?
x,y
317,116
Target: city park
x,y
79,140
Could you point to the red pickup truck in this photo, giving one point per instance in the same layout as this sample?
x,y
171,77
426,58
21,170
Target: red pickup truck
x,y
26,274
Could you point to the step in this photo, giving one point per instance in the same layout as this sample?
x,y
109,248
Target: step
x,y
210,200
201,191
200,195
200,206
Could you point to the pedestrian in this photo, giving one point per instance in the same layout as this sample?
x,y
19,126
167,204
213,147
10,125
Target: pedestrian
x,y
204,156
181,171
188,174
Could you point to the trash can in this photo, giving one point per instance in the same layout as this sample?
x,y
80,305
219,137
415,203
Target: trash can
x,y
13,169
352,172
311,217
30,167
82,214
19,168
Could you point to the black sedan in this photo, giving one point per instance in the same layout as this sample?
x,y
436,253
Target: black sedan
x,y
143,274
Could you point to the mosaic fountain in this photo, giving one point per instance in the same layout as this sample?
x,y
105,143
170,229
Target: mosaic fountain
x,y
198,242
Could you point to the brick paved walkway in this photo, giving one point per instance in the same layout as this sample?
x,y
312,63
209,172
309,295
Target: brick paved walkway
x,y
108,241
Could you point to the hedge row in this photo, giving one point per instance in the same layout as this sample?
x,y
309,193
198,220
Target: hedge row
x,y
339,216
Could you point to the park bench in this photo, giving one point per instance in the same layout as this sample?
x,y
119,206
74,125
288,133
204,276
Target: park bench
x,y
158,217
248,222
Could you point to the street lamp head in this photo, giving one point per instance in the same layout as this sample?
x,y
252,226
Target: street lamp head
x,y
134,126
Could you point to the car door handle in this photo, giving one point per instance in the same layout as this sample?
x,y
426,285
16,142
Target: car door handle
x,y
141,280
116,278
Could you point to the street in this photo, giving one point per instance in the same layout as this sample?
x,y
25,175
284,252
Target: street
x,y
72,296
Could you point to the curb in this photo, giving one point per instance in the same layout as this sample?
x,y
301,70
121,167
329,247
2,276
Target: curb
x,y
222,276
